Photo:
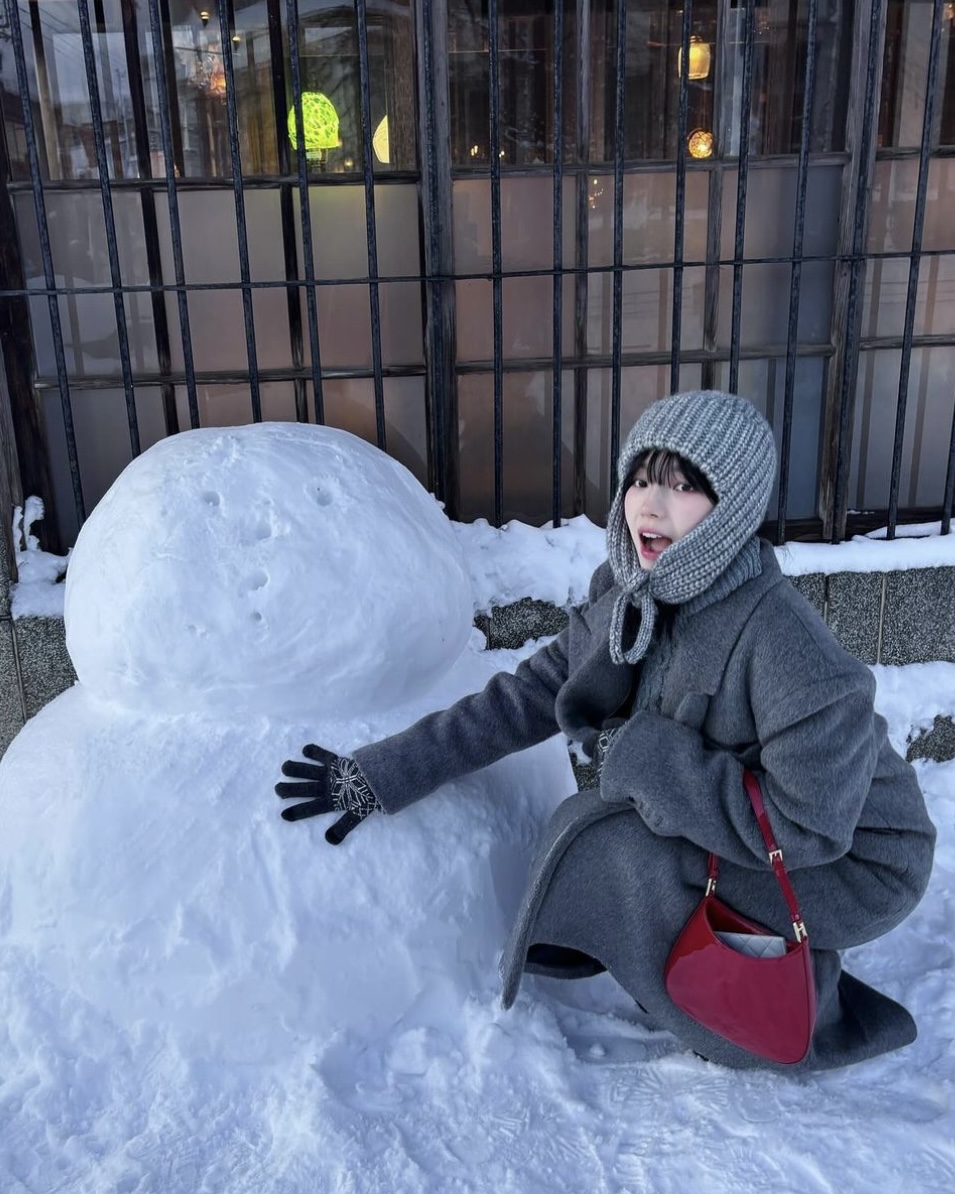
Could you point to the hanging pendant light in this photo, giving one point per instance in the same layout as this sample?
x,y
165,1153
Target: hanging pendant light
x,y
700,59
319,121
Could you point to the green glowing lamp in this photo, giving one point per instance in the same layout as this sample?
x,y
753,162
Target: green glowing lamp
x,y
320,122
381,142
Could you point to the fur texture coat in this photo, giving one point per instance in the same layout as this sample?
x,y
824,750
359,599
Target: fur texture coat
x,y
752,680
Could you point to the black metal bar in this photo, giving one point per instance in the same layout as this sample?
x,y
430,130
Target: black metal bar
x,y
233,377
286,207
112,247
308,253
679,221
599,361
44,90
147,198
530,364
166,129
494,113
434,155
888,341
739,243
46,254
620,64
795,281
584,89
558,346
714,204
99,15
265,181
911,298
225,35
168,58
850,362
25,465
371,232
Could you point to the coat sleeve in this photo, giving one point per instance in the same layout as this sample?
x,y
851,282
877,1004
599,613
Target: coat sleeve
x,y
815,757
513,711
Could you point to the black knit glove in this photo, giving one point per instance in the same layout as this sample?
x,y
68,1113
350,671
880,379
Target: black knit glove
x,y
329,784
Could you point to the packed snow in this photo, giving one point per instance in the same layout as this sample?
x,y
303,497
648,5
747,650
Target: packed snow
x,y
200,997
39,588
222,570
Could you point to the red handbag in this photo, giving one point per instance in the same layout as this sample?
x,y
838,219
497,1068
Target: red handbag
x,y
764,1004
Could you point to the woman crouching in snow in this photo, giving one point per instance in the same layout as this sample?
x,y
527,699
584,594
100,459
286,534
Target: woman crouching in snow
x,y
692,660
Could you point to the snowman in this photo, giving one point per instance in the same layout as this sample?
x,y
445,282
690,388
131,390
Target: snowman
x,y
236,594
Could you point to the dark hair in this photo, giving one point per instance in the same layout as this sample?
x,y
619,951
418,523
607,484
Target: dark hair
x,y
661,465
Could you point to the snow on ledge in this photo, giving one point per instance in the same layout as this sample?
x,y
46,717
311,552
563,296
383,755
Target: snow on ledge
x,y
545,563
919,546
555,564
39,590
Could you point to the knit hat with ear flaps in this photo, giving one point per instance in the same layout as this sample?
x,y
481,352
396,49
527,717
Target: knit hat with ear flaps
x,y
731,443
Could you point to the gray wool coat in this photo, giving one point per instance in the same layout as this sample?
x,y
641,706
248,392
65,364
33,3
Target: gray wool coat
x,y
753,680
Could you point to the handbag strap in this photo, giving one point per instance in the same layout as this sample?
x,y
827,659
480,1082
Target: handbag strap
x,y
751,785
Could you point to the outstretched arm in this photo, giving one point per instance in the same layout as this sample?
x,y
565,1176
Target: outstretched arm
x,y
511,713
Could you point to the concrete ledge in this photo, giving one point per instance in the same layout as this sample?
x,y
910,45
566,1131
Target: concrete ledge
x,y
918,620
45,667
853,611
937,744
4,579
511,626
11,705
894,618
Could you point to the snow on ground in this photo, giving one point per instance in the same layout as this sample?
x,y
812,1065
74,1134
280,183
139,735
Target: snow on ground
x,y
199,997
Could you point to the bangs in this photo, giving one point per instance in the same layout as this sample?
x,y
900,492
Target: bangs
x,y
663,466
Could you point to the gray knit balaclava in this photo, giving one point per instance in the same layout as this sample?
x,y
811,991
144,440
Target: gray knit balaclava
x,y
731,443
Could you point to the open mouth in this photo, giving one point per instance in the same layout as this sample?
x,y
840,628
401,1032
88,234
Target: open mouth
x,y
651,544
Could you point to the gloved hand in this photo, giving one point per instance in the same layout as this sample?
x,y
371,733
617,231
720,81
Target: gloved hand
x,y
329,784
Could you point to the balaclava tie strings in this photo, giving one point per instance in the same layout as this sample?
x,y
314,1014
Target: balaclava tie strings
x,y
731,443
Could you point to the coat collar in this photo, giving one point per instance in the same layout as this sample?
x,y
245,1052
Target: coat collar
x,y
597,688
709,636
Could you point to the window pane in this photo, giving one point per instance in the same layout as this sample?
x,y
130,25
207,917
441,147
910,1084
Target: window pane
x,y
330,69
528,456
654,71
653,74
886,289
526,62
646,310
763,382
649,218
928,428
196,80
777,87
231,405
350,404
894,188
80,261
905,72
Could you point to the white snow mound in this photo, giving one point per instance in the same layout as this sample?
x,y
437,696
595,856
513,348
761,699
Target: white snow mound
x,y
277,568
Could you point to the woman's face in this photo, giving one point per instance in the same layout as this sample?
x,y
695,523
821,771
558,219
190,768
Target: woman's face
x,y
660,512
